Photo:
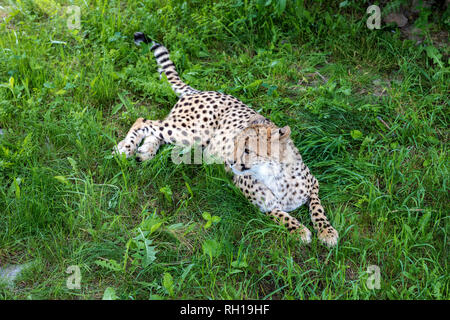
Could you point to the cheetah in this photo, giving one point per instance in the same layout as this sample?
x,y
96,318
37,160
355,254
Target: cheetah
x,y
267,166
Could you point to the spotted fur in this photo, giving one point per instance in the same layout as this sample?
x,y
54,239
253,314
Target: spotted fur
x,y
266,164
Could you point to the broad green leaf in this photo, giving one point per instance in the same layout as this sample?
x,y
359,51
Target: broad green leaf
x,y
356,134
254,84
207,224
433,54
155,227
73,163
151,224
206,215
168,283
109,264
175,226
62,179
189,189
239,264
145,253
281,6
117,108
16,184
212,248
109,294
167,193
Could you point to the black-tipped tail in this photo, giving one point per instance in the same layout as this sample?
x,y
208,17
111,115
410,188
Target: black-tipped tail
x,y
141,37
165,65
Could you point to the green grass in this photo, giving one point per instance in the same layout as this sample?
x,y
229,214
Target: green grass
x,y
368,111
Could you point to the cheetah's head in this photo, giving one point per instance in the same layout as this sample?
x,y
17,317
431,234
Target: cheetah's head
x,y
261,143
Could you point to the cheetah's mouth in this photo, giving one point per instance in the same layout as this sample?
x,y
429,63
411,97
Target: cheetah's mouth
x,y
242,172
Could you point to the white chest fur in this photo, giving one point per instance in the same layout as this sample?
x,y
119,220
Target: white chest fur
x,y
285,186
271,175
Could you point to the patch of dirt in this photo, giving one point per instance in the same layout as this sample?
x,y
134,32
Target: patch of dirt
x,y
407,14
440,39
381,87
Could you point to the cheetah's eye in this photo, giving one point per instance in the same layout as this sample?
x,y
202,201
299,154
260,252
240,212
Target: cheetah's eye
x,y
246,151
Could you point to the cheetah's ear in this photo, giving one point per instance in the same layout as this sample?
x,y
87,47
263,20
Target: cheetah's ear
x,y
257,119
285,132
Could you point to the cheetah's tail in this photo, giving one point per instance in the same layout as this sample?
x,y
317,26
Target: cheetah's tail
x,y
165,65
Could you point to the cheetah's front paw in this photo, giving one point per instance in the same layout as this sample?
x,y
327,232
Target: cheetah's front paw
x,y
304,233
144,153
329,236
143,156
123,147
